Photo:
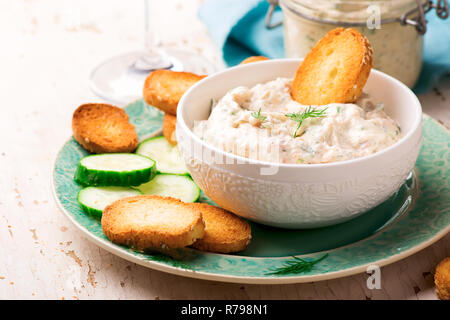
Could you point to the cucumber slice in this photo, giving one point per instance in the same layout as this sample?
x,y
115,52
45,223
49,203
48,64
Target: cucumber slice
x,y
115,169
172,185
94,199
168,158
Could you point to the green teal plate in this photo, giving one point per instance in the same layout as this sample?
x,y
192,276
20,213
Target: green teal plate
x,y
412,219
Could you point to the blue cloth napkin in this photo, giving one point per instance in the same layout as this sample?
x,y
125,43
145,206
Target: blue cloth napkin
x,y
237,28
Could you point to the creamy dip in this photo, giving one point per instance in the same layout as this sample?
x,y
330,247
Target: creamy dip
x,y
255,123
397,48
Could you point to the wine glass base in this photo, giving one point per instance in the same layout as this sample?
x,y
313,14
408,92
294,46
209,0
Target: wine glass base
x,y
116,81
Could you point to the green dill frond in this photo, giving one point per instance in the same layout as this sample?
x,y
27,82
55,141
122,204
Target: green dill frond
x,y
308,113
257,115
295,266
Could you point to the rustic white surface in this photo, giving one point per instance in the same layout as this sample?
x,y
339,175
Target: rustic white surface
x,y
48,49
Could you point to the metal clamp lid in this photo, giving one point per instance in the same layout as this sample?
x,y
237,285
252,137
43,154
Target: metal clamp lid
x,y
272,7
418,21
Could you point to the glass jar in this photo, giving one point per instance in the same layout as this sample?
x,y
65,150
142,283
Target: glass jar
x,y
395,29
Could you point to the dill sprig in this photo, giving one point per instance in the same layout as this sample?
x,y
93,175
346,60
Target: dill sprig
x,y
308,113
298,265
257,115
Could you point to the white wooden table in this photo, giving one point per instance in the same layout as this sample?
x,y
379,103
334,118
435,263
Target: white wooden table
x,y
48,49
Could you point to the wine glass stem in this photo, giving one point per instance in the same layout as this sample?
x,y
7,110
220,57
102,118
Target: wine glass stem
x,y
153,58
151,42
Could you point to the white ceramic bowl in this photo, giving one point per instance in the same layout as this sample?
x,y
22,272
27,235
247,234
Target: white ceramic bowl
x,y
296,195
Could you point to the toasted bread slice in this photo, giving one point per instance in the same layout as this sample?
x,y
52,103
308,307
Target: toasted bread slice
x,y
169,125
148,222
163,88
103,128
254,59
442,279
335,70
224,231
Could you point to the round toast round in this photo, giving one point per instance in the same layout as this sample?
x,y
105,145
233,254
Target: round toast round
x,y
442,279
335,70
163,88
169,125
103,128
224,231
254,59
147,222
